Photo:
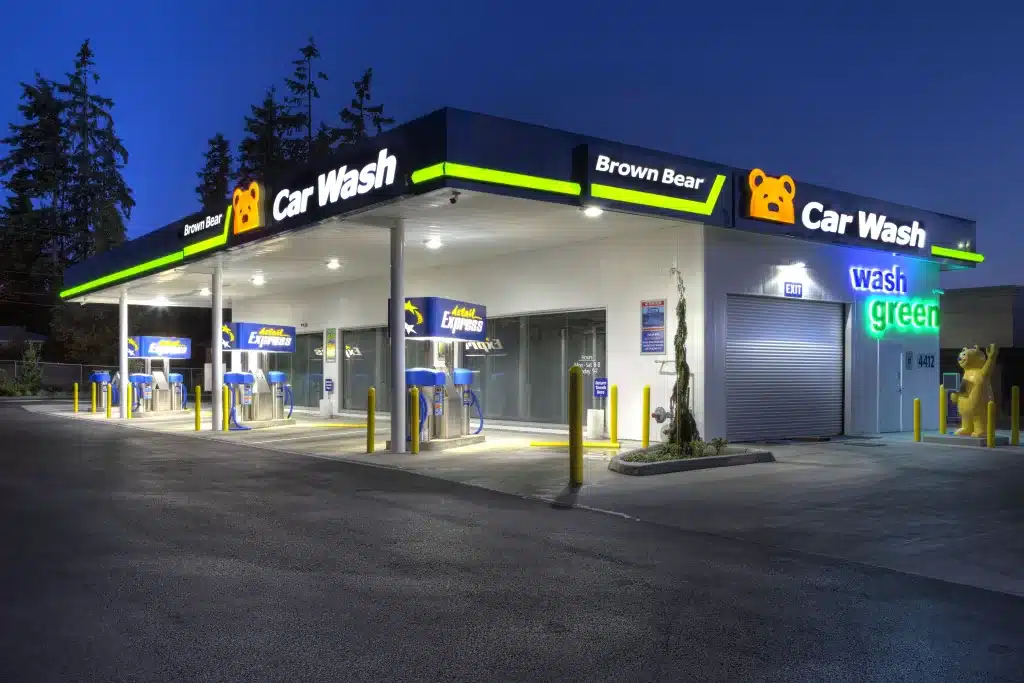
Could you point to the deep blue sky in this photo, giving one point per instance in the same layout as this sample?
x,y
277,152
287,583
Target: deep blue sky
x,y
918,103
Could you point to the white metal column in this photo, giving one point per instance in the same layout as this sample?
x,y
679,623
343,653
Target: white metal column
x,y
122,350
397,324
216,349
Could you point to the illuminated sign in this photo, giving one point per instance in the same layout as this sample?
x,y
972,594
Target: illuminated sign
x,y
902,315
666,176
133,347
892,281
247,205
201,224
227,338
775,199
259,337
794,290
444,319
160,347
338,184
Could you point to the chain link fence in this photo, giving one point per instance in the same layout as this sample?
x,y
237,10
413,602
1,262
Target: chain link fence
x,y
61,377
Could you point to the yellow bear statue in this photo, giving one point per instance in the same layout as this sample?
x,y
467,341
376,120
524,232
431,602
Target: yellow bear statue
x,y
975,389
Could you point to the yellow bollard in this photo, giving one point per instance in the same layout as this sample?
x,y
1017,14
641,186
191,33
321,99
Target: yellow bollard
x,y
199,402
128,401
109,392
575,426
371,419
93,396
74,392
943,407
225,410
645,424
1015,416
990,435
414,419
613,400
917,419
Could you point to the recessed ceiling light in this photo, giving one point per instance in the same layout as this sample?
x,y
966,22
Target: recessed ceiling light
x,y
433,242
160,301
205,291
333,264
257,280
799,264
593,211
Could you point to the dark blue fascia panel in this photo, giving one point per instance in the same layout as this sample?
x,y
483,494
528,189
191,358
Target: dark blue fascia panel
x,y
153,245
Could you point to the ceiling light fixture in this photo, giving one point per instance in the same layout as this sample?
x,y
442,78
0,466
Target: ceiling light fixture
x,y
433,242
205,291
160,301
593,211
257,280
333,264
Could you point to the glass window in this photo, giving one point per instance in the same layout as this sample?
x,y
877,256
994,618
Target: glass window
x,y
304,368
361,360
496,369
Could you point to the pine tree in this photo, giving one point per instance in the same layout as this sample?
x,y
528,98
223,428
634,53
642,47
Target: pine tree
x,y
216,174
263,152
682,428
359,118
303,88
99,200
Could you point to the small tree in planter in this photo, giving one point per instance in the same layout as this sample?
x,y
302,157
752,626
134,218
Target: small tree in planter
x,y
682,427
31,376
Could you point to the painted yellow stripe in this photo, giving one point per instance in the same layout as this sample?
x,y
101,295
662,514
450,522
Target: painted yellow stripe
x,y
660,201
565,444
123,274
488,175
958,254
211,242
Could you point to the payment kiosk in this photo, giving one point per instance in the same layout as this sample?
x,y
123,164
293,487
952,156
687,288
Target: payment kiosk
x,y
164,392
260,397
448,405
101,378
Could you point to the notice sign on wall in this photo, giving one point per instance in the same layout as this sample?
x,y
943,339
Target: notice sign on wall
x,y
331,345
652,326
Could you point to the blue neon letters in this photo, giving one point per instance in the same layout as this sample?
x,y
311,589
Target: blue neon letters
x,y
892,281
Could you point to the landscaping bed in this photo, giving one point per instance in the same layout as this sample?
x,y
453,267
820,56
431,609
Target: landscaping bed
x,y
665,458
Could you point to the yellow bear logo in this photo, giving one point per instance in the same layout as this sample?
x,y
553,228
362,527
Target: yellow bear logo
x,y
975,389
247,207
771,199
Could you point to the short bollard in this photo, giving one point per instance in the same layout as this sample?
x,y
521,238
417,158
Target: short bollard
x,y
613,406
199,401
1015,416
414,419
225,409
371,419
645,423
917,419
575,426
93,396
943,410
74,391
108,393
128,401
990,432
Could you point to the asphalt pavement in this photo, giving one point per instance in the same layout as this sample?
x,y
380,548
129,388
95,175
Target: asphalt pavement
x,y
142,556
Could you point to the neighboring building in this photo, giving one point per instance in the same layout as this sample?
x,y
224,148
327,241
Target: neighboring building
x,y
12,337
982,316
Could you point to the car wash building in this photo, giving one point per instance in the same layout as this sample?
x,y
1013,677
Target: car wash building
x,y
809,311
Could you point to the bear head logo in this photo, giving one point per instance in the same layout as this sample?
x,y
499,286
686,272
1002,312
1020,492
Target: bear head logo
x,y
771,199
972,357
247,208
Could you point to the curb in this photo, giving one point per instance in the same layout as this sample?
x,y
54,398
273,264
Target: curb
x,y
640,469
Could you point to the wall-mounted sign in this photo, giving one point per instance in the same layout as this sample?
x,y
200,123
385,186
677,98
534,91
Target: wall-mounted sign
x,y
247,208
600,387
588,364
878,280
328,385
227,337
259,337
641,180
331,345
794,290
886,314
177,348
202,223
338,184
436,318
652,326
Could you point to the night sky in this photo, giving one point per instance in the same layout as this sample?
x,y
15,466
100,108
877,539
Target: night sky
x,y
919,105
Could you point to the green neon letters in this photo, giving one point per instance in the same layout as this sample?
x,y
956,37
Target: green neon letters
x,y
884,314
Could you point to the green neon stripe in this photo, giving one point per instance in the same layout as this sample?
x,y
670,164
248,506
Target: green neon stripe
x,y
487,175
211,242
957,254
123,274
660,201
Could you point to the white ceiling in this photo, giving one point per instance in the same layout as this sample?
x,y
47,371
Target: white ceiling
x,y
477,227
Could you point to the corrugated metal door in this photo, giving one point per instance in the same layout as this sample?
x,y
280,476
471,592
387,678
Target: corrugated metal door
x,y
784,368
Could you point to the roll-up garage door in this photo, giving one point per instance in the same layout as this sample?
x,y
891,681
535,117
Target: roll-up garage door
x,y
784,369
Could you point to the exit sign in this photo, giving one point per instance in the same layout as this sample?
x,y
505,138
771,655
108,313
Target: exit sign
x,y
793,289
